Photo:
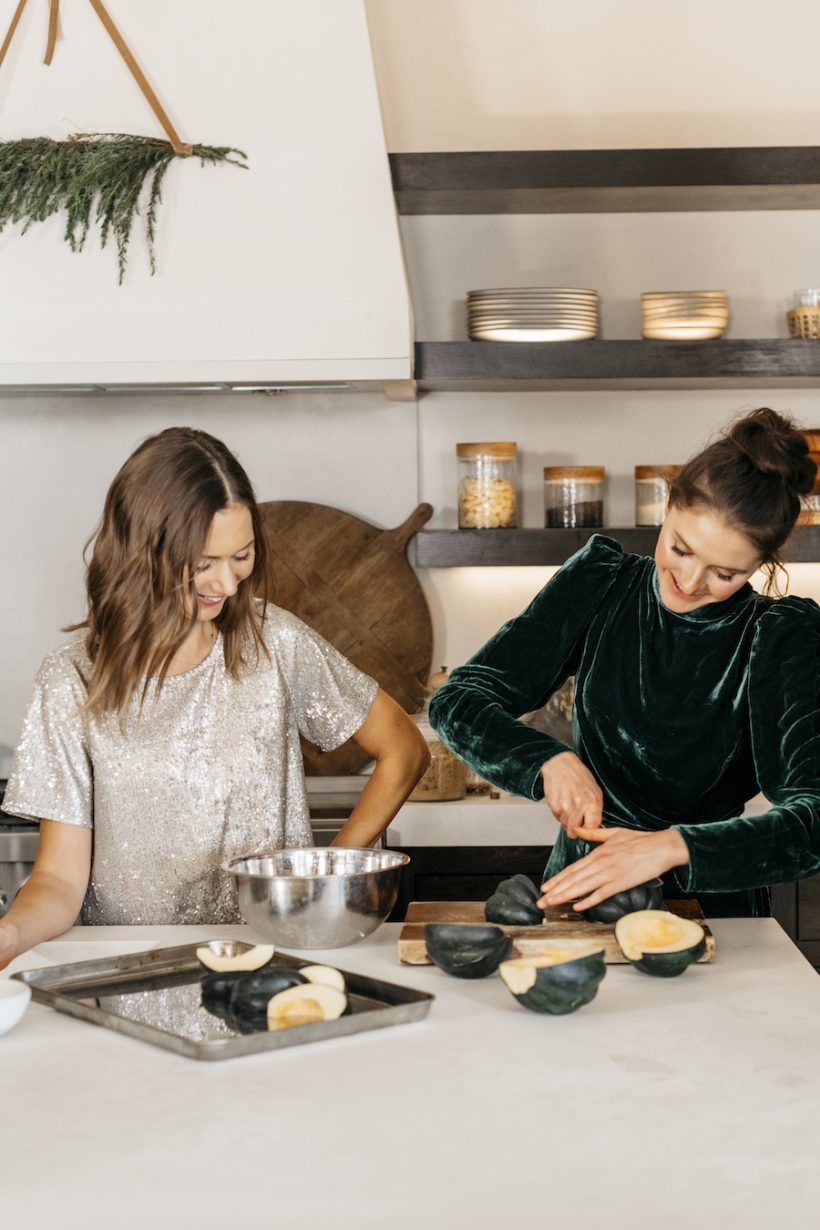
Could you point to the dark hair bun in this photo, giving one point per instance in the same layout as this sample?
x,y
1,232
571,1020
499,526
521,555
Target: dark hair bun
x,y
775,446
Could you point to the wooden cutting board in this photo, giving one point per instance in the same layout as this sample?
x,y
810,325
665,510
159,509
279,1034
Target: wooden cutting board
x,y
352,583
559,924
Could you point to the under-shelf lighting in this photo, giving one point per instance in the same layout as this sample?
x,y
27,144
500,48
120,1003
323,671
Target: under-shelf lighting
x,y
288,388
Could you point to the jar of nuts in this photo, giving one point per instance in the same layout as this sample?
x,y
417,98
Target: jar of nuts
x,y
487,495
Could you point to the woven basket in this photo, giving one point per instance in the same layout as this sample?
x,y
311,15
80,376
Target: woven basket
x,y
804,322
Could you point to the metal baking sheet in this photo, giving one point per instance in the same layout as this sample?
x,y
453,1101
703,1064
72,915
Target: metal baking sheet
x,y
155,996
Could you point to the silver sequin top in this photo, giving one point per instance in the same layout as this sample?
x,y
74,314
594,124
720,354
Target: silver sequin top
x,y
212,770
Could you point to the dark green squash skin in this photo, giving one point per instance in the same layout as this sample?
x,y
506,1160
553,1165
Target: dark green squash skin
x,y
216,989
513,903
559,989
648,896
242,995
466,951
250,996
669,964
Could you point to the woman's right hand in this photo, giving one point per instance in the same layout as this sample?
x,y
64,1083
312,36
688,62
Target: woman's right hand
x,y
572,794
8,944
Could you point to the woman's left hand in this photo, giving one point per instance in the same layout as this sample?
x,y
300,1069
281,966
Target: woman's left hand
x,y
624,858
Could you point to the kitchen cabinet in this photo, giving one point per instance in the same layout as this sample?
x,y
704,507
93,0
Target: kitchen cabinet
x,y
288,272
611,181
463,873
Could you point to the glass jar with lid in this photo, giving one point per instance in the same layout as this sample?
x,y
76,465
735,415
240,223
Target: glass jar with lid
x,y
652,485
445,777
573,496
487,485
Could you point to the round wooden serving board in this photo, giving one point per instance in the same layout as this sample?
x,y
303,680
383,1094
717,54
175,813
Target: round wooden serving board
x,y
352,583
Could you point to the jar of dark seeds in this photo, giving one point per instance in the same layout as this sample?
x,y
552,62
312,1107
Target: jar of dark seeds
x,y
573,496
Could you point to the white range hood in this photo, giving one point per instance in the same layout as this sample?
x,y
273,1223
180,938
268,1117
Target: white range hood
x,y
287,274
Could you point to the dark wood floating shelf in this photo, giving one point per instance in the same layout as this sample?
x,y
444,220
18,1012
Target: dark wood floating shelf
x,y
481,548
607,181
744,363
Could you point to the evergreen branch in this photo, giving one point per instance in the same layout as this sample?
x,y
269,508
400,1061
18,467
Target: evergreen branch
x,y
98,178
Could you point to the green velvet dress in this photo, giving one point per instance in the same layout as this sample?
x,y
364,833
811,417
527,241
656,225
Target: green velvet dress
x,y
681,718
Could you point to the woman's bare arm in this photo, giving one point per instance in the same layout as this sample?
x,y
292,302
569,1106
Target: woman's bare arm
x,y
401,755
50,900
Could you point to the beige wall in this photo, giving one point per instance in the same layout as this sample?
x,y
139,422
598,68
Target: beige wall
x,y
597,74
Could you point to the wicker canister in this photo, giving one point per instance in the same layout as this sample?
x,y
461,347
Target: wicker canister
x,y
810,514
804,322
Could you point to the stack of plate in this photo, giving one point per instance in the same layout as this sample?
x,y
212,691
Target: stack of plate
x,y
532,314
685,315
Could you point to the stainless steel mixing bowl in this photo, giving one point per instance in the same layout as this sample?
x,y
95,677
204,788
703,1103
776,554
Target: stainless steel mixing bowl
x,y
317,897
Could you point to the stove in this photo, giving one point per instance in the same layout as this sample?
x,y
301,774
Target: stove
x,y
18,849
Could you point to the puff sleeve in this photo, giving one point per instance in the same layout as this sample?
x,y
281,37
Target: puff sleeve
x,y
783,843
476,713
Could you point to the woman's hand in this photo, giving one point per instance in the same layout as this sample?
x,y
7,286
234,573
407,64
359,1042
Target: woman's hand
x,y
624,858
572,794
9,941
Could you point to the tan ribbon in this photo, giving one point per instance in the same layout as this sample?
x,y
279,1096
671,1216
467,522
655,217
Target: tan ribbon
x,y
178,146
18,13
53,22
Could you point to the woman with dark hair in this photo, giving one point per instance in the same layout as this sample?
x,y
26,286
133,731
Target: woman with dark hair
x,y
168,730
692,694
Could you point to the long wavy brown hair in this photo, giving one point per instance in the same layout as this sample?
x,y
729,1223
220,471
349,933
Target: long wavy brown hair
x,y
140,576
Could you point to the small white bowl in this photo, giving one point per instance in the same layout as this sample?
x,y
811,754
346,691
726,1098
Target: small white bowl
x,y
14,997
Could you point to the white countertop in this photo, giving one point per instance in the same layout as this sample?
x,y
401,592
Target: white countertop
x,y
476,820
479,820
662,1105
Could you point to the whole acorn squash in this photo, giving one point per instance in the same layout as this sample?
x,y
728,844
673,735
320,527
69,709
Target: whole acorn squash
x,y
559,979
659,943
466,950
648,896
513,903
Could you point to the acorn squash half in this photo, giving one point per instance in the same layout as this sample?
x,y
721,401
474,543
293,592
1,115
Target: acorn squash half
x,y
513,903
466,950
224,955
305,1005
648,896
251,994
216,989
559,979
659,943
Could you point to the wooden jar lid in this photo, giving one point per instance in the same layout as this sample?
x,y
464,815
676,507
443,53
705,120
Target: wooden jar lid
x,y
503,449
588,472
666,472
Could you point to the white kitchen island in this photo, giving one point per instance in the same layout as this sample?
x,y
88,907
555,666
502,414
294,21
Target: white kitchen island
x,y
682,1103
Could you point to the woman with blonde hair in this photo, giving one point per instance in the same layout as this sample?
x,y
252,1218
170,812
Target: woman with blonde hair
x,y
163,738
692,694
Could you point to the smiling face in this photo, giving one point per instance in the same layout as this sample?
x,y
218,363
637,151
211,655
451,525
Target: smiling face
x,y
226,561
701,558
